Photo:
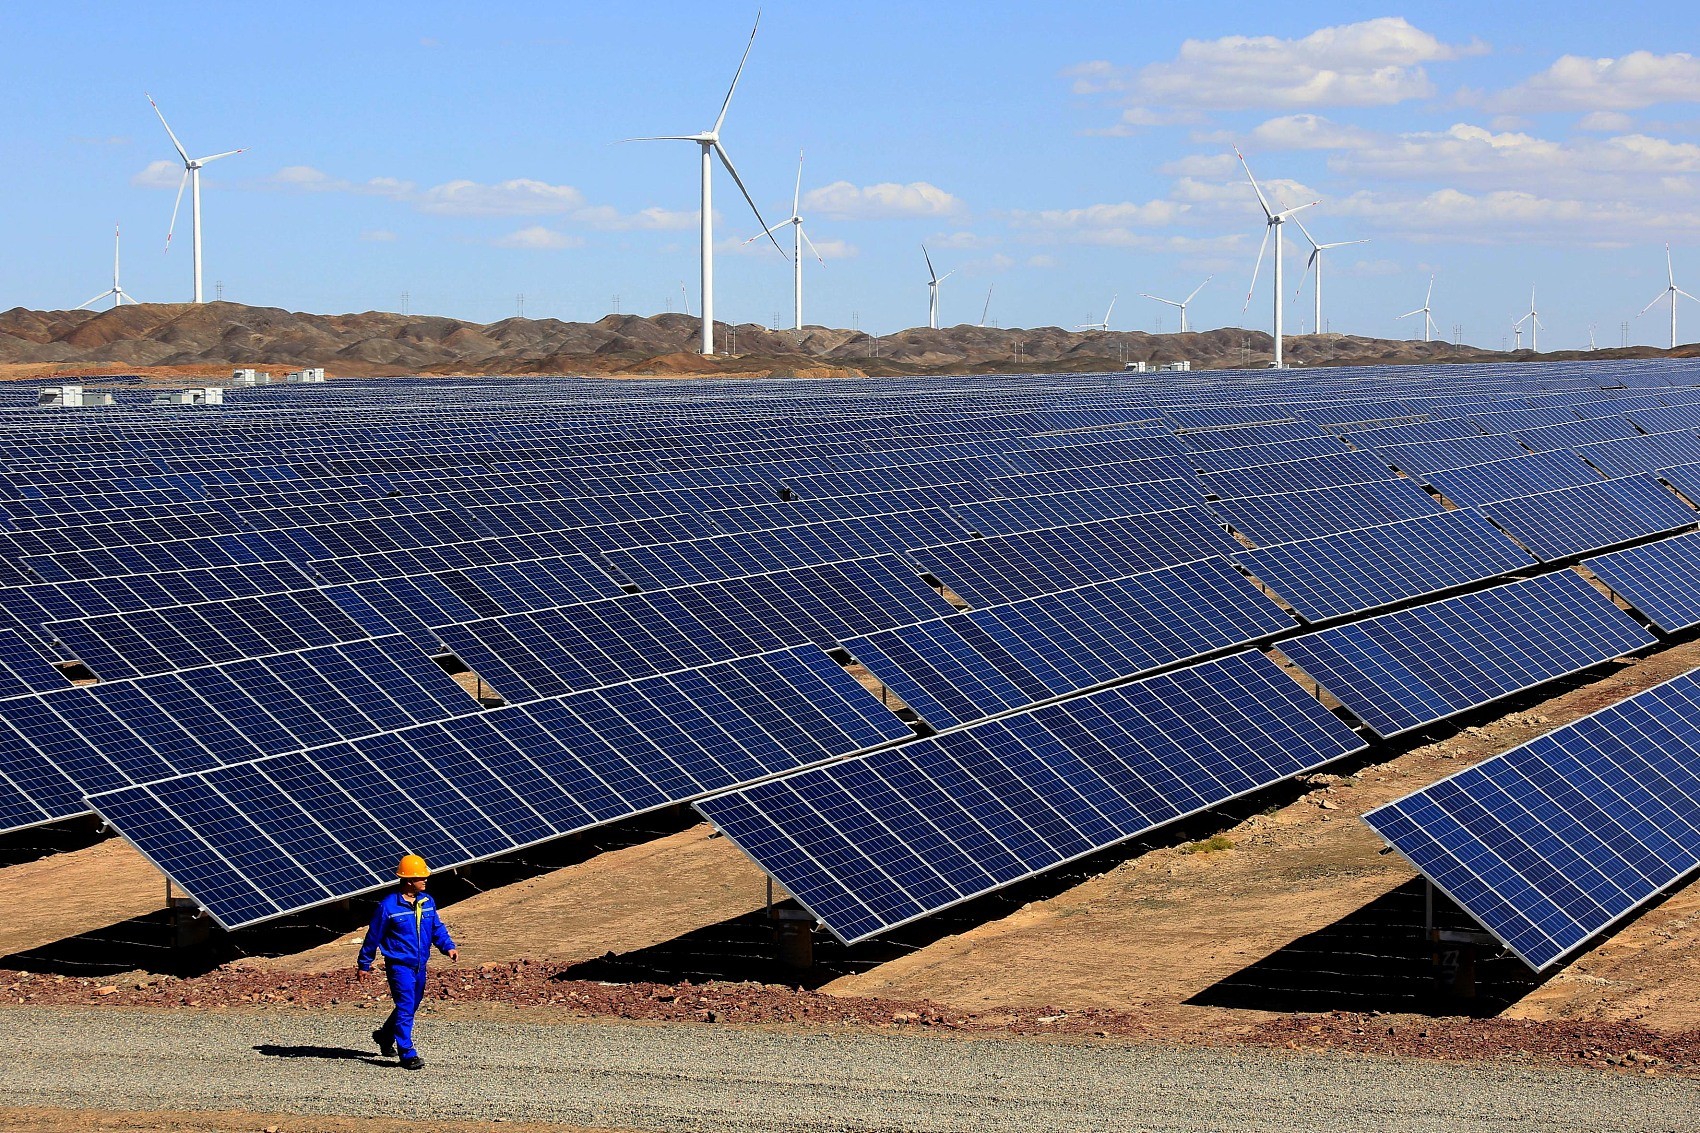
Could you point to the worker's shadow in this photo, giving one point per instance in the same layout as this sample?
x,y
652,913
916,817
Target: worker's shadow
x,y
335,1053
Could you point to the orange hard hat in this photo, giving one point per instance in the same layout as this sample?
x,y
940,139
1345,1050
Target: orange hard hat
x,y
412,865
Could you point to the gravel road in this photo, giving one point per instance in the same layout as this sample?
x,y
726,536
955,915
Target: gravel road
x,y
665,1077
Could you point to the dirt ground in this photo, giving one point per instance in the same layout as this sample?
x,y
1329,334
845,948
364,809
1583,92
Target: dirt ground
x,y
33,1119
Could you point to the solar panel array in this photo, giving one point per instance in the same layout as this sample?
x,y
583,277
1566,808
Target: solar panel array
x,y
1662,580
1555,841
262,603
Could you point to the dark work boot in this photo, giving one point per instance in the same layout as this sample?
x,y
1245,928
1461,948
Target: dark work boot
x,y
386,1047
413,1062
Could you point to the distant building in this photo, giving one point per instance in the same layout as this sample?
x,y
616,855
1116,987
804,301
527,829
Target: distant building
x,y
1176,367
248,377
202,395
72,397
1135,367
309,375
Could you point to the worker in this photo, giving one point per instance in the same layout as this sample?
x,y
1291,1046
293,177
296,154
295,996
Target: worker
x,y
404,927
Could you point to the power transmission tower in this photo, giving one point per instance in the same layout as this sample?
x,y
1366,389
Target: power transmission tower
x,y
521,300
616,304
218,290
405,296
1624,326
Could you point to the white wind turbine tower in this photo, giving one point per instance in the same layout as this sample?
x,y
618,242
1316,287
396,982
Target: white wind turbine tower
x,y
1534,322
192,178
1274,221
798,238
1105,324
1315,261
1673,291
1181,303
709,141
1428,321
116,291
985,310
933,281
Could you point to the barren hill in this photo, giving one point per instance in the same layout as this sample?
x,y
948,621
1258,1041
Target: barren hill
x,y
163,339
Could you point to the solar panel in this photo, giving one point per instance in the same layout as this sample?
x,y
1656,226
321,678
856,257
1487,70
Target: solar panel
x,y
1291,516
1505,479
1642,454
1003,568
1295,475
470,788
875,842
972,665
1418,459
1378,566
1059,509
1556,841
1662,580
1404,670
24,670
1569,521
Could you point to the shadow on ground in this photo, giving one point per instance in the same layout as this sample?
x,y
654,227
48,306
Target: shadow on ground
x,y
329,1053
154,943
1377,958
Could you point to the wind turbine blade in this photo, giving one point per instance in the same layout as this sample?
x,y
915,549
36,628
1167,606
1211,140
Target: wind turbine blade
x,y
1257,267
226,153
736,77
1430,294
1197,289
181,152
727,162
1656,298
1418,311
1670,272
1310,261
1684,294
1341,243
930,269
1260,198
797,197
181,185
811,244
766,232
1299,208
1111,311
1160,299
947,275
96,299
1314,245
662,138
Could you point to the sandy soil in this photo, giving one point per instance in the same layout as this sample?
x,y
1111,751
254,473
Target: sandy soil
x,y
19,1119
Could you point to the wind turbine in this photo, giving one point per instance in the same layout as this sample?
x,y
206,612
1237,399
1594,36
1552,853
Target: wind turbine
x,y
191,177
1181,303
798,238
117,292
1534,322
1315,261
1274,220
987,308
1673,291
711,145
933,289
1105,324
1428,321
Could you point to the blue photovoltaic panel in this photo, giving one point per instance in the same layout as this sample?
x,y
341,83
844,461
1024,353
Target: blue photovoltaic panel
x,y
1661,579
971,665
1554,842
871,843
1290,516
1642,454
1296,475
24,670
468,788
1377,566
1569,434
1003,568
1401,671
1419,459
1570,521
1058,509
1505,479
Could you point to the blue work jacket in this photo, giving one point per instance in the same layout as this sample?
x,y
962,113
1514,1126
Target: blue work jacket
x,y
404,932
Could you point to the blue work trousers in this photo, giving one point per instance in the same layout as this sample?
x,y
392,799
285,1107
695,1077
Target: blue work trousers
x,y
407,988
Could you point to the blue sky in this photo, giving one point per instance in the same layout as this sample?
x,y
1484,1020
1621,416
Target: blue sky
x,y
1059,153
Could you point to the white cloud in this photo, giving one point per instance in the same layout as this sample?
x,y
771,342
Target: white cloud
x,y
519,197
538,238
1513,217
1043,261
159,175
843,201
306,179
835,249
377,236
1127,214
1372,63
1628,82
1605,122
1201,165
1307,131
609,219
969,240
1368,269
